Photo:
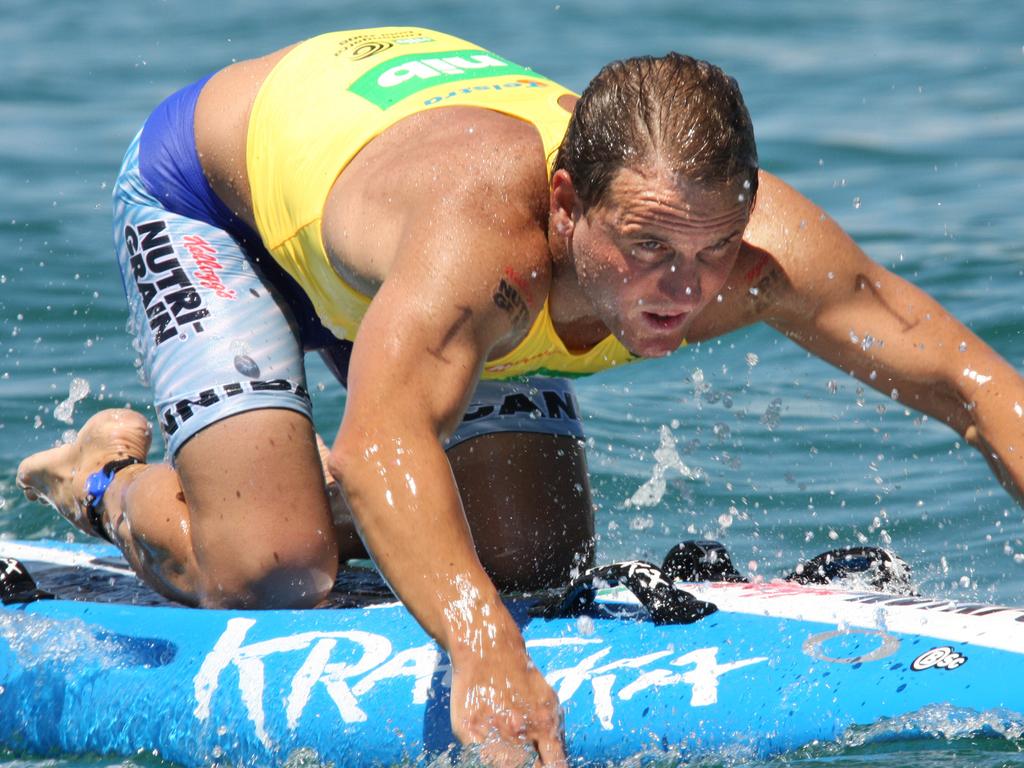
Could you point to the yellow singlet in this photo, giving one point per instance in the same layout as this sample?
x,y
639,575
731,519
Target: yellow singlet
x,y
331,95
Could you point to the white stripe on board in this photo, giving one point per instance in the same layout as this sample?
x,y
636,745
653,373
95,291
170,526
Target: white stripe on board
x,y
34,553
989,626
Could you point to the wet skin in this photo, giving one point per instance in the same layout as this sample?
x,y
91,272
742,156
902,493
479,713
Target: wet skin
x,y
654,252
430,218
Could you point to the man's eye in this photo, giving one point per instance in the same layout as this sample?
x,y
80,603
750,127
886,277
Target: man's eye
x,y
715,252
649,246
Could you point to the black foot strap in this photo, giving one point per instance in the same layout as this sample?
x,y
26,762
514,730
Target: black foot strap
x,y
665,603
878,568
703,560
16,585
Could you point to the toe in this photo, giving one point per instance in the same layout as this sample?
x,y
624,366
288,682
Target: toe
x,y
28,490
24,485
22,481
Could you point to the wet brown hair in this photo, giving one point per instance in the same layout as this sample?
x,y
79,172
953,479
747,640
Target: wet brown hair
x,y
677,110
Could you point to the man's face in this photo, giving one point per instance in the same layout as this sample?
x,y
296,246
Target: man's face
x,y
655,251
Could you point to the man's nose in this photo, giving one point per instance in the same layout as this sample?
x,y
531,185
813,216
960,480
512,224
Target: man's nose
x,y
681,283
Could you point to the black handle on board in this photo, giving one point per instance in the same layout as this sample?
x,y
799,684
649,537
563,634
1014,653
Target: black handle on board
x,y
665,603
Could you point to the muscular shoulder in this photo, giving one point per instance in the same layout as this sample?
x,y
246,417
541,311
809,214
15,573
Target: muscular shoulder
x,y
815,260
487,158
448,173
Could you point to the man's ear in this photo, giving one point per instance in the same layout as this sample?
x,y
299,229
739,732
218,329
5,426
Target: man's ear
x,y
565,205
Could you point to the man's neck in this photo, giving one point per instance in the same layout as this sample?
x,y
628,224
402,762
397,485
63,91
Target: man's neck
x,y
572,313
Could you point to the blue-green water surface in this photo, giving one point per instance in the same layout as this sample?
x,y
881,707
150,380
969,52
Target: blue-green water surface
x,y
904,120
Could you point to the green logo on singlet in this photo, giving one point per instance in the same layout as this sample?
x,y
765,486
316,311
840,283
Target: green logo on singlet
x,y
388,83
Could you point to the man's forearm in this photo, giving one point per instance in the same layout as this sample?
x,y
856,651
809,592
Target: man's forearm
x,y
996,428
405,502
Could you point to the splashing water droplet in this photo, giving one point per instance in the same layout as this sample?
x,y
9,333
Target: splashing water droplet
x,y
641,523
65,410
666,457
772,414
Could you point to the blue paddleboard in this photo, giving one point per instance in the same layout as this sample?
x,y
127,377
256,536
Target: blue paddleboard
x,y
704,668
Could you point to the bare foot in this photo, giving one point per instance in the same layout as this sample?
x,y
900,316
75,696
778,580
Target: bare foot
x,y
57,476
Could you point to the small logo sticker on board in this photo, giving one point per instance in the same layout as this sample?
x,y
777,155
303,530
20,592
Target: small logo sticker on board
x,y
943,657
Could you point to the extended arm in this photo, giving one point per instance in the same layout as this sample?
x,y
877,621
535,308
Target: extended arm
x,y
417,356
826,295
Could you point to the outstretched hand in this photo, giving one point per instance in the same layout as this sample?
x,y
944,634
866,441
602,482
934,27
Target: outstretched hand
x,y
501,702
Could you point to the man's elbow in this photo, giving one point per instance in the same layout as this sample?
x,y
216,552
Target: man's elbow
x,y
347,457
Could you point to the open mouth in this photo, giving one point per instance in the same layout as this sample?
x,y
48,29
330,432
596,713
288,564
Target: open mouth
x,y
664,322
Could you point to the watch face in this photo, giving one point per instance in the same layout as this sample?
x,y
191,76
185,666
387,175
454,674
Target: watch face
x,y
96,484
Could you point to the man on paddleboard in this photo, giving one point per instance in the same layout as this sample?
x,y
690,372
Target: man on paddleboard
x,y
458,236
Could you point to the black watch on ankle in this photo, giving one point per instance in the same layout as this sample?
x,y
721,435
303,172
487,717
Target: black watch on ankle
x,y
96,485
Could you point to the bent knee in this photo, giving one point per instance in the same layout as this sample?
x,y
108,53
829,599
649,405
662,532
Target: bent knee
x,y
299,577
